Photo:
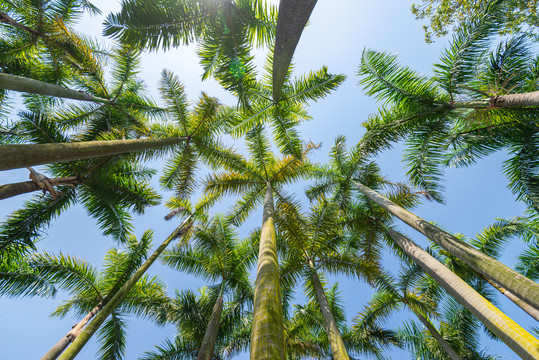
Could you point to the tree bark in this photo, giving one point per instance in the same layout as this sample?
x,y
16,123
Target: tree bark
x,y
212,330
61,345
516,100
338,350
27,85
293,16
514,336
14,189
436,335
17,156
524,288
267,337
533,312
92,327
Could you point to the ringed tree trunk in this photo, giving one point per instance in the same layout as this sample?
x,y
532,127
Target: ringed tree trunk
x,y
521,286
212,330
61,345
24,155
338,351
436,335
514,336
92,327
516,100
267,337
293,16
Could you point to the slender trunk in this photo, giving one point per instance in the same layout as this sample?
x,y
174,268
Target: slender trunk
x,y
338,351
17,156
293,16
92,327
267,338
61,345
516,100
436,335
521,286
14,189
27,85
533,312
514,336
212,330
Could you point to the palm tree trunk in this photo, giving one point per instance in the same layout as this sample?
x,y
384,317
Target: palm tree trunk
x,y
267,338
516,100
533,312
212,330
524,288
514,336
17,156
436,335
293,16
23,84
14,189
61,345
92,327
338,351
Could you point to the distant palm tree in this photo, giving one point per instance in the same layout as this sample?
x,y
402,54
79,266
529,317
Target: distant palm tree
x,y
90,291
215,254
312,244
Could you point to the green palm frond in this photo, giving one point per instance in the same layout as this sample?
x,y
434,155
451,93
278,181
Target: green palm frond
x,y
458,61
112,338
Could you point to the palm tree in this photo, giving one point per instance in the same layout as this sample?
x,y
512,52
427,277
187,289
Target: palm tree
x,y
215,254
393,296
479,101
518,339
477,260
121,293
312,245
258,180
47,273
225,30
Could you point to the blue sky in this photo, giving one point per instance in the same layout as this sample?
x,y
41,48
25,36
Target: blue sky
x,y
339,31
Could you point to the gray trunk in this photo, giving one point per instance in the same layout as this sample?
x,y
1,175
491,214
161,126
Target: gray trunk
x,y
17,156
530,310
22,84
516,100
338,351
293,16
526,289
64,342
14,189
435,334
514,336
212,330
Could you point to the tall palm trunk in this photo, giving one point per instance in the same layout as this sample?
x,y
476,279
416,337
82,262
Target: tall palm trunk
x,y
437,336
23,84
524,288
518,339
293,16
17,156
338,351
267,338
92,327
530,310
61,345
212,330
516,100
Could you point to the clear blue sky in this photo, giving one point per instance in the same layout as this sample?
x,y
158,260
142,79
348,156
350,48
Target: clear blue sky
x,y
339,31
